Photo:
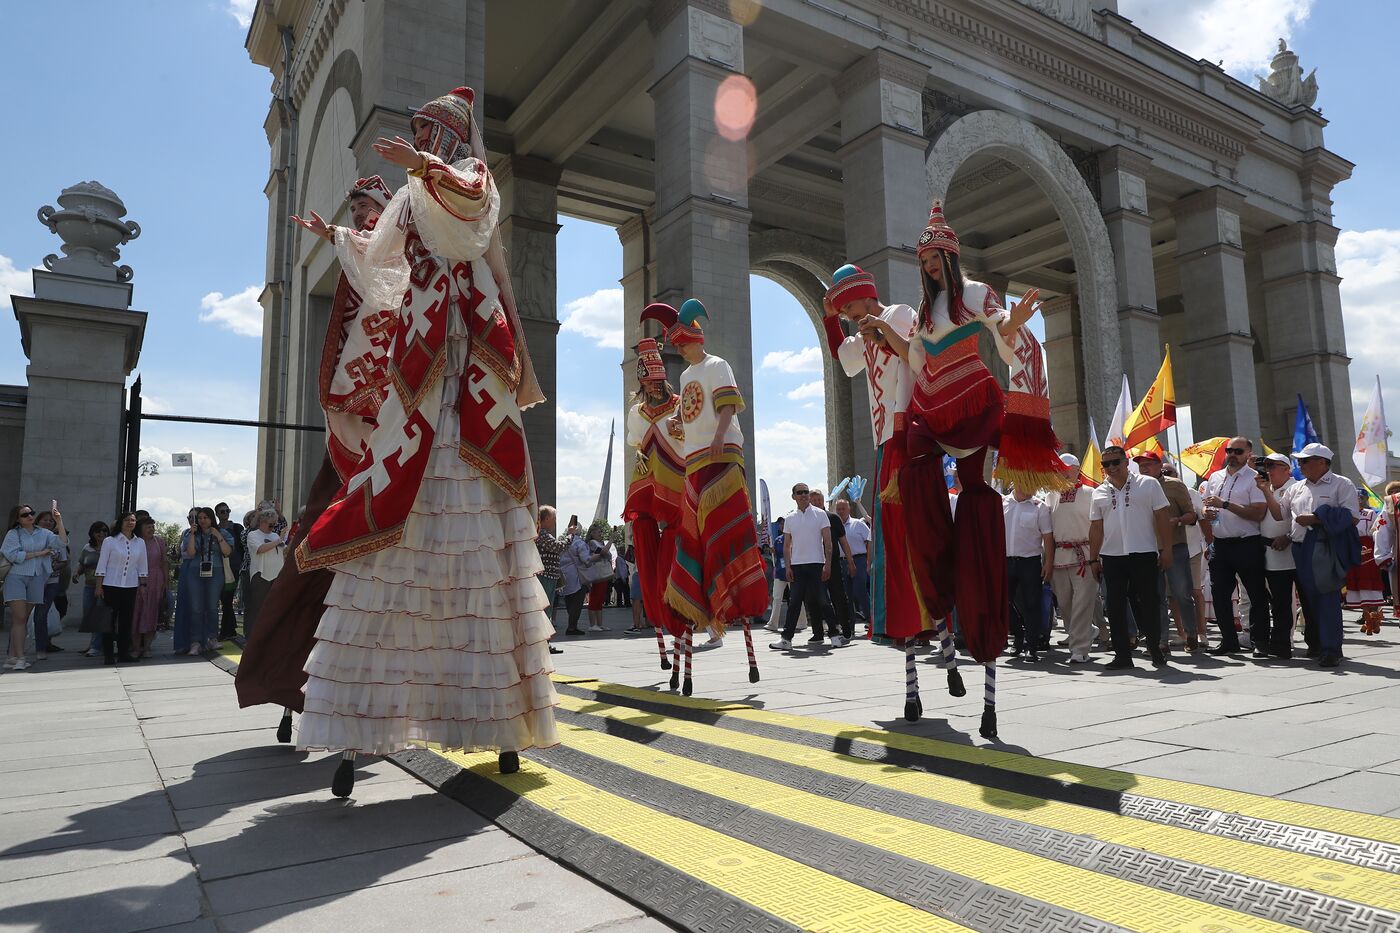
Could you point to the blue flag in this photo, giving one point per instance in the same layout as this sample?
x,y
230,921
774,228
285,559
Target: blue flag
x,y
1303,435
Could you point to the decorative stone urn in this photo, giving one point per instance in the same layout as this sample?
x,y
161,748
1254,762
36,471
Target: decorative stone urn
x,y
91,228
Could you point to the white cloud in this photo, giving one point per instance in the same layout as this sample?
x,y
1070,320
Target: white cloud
x,y
1369,263
598,317
807,390
242,11
223,472
13,281
239,313
1240,33
808,360
579,457
789,453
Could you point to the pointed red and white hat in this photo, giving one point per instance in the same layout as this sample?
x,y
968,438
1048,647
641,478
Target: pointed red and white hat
x,y
937,235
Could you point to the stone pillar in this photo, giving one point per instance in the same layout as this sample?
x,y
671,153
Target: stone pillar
x,y
82,342
702,218
1123,183
1307,350
883,184
529,223
1217,354
1064,357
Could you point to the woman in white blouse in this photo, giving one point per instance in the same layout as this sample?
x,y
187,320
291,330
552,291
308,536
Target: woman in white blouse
x,y
264,562
121,568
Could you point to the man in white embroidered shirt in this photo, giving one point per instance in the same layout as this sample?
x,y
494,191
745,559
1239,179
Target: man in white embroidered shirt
x,y
1129,544
1234,505
1321,491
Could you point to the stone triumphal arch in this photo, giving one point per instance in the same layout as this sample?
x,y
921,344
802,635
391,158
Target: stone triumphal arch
x,y
1150,196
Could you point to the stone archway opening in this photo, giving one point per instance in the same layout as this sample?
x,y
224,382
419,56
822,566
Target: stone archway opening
x,y
1027,217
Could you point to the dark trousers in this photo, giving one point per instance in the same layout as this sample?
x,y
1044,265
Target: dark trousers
x,y
807,589
122,599
573,605
1281,584
858,586
1242,558
836,585
228,626
1324,607
1025,589
1131,578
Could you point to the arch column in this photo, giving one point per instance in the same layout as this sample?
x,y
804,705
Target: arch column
x,y
702,218
529,224
1028,148
1219,348
1123,181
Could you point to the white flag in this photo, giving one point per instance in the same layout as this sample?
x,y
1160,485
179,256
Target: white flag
x,y
182,460
1120,415
1372,441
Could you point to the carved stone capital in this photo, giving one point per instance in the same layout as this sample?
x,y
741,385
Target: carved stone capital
x,y
882,65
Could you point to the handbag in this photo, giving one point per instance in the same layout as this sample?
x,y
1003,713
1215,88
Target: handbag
x,y
98,619
598,570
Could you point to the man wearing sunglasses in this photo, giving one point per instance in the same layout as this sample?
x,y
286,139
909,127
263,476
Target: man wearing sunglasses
x,y
1130,545
1235,505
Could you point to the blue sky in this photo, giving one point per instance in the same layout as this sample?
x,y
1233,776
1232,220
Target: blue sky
x,y
158,101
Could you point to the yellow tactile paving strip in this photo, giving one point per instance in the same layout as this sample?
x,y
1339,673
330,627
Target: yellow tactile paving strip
x,y
1364,885
791,891
1086,892
1313,816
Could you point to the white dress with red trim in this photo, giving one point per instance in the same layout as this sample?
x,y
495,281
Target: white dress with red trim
x,y
1364,586
435,626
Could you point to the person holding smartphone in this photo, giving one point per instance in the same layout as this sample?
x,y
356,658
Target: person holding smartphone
x,y
203,547
30,550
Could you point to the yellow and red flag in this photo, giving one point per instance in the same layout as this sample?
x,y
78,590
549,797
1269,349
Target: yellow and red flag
x,y
1090,469
1157,410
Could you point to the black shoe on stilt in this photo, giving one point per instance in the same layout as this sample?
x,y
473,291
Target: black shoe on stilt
x,y
913,709
284,729
509,762
753,673
989,723
675,678
687,687
665,665
955,684
344,781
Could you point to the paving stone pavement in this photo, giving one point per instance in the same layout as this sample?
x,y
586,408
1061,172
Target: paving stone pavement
x,y
142,798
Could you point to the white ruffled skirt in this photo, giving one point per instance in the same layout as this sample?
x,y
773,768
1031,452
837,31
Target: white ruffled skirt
x,y
442,638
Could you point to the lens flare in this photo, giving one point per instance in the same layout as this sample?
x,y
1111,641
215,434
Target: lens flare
x,y
736,106
745,11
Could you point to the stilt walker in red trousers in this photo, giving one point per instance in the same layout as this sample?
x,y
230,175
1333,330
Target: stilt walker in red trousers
x,y
895,614
656,492
718,574
957,407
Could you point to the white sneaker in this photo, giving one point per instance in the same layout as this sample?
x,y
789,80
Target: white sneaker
x,y
782,644
714,642
91,653
19,664
773,627
196,650
1078,659
839,641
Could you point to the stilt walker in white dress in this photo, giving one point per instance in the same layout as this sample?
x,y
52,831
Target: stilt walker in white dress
x,y
435,627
